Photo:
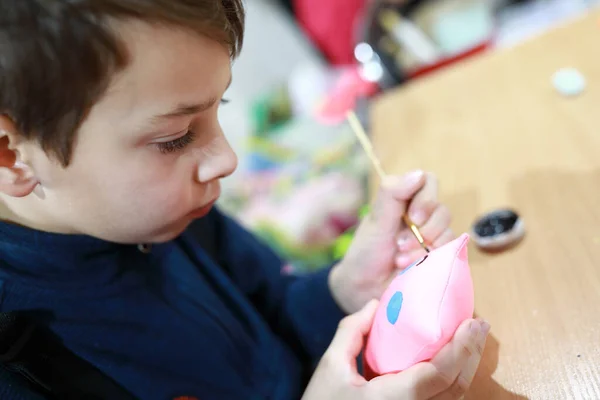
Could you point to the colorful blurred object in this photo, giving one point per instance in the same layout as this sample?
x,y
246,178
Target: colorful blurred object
x,y
305,180
303,221
306,191
271,111
343,241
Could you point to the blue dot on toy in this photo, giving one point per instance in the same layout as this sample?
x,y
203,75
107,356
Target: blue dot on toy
x,y
394,306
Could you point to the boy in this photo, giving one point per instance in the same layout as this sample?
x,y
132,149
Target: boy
x,y
110,161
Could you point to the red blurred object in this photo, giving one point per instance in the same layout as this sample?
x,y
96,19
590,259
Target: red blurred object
x,y
330,25
419,72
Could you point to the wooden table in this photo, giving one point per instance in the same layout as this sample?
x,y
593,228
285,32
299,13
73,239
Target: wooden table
x,y
497,134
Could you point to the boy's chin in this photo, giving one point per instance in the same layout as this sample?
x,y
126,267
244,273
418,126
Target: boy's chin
x,y
170,232
157,235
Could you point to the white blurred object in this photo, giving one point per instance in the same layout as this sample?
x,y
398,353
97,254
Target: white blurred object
x,y
273,47
308,84
521,22
463,27
569,82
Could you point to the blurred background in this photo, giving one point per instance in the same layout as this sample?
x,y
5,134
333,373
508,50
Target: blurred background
x,y
302,180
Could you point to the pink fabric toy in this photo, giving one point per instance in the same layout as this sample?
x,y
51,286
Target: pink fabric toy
x,y
420,311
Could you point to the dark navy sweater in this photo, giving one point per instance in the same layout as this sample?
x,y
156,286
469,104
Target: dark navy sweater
x,y
209,315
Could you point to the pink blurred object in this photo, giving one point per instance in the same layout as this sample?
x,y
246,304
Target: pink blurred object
x,y
420,311
343,97
313,213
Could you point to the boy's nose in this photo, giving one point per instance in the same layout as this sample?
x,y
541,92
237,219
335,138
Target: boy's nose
x,y
219,161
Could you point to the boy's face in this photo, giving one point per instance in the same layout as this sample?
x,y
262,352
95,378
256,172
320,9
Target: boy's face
x,y
148,158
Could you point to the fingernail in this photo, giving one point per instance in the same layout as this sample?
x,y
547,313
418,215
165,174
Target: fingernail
x,y
413,177
391,181
402,240
406,247
403,261
475,329
485,327
404,243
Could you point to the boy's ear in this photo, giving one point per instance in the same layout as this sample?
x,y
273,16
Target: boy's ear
x,y
17,179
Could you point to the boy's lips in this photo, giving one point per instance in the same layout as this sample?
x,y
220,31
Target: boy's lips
x,y
202,211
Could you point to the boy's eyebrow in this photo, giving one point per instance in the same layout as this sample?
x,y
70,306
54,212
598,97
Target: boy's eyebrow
x,y
186,109
190,109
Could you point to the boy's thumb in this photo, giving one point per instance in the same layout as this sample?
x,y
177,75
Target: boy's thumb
x,y
348,339
392,200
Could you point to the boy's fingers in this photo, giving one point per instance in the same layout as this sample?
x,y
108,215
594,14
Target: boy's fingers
x,y
437,223
443,370
451,360
446,377
436,231
420,382
406,241
455,392
337,368
446,237
425,201
468,373
405,260
462,383
348,339
392,198
404,188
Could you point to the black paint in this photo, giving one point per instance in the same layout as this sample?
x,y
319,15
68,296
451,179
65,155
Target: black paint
x,y
496,223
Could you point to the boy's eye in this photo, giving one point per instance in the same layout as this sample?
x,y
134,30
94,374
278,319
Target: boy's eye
x,y
225,101
178,144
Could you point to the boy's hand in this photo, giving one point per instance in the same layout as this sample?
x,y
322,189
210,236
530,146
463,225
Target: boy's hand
x,y
383,244
447,376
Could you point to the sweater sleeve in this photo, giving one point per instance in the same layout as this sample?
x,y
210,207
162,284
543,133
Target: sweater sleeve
x,y
15,387
299,308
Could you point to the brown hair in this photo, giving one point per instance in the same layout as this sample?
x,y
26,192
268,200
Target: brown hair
x,y
57,56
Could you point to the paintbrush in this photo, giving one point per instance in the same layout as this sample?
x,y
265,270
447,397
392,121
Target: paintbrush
x,y
362,137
